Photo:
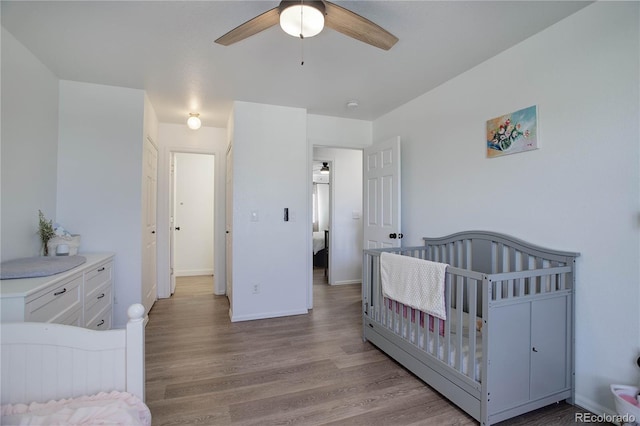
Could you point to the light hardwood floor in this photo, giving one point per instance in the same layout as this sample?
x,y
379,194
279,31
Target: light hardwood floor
x,y
308,369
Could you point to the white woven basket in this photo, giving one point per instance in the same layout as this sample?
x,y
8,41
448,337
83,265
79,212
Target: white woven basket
x,y
73,243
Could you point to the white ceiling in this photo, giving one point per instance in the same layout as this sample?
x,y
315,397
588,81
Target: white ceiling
x,y
167,49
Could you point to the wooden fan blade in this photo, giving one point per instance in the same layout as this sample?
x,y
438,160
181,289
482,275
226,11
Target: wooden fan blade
x,y
355,26
251,27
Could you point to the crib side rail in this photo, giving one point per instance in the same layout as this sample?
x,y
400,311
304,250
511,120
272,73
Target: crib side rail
x,y
514,267
500,245
457,341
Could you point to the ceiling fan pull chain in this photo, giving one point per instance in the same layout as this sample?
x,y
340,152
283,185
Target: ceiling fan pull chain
x,y
301,34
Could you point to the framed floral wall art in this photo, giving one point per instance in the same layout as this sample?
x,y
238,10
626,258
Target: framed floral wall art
x,y
512,133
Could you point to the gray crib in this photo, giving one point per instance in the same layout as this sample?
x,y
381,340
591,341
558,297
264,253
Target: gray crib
x,y
507,346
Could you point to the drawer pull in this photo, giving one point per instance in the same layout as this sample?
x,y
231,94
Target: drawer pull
x,y
58,293
101,296
100,323
101,269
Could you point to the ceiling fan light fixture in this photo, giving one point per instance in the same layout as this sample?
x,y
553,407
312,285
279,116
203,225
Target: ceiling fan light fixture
x,y
352,104
193,122
302,19
325,169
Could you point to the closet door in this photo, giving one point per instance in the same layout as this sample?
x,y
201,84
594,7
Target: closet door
x,y
149,203
229,226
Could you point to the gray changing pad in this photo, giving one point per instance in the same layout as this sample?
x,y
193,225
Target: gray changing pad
x,y
30,267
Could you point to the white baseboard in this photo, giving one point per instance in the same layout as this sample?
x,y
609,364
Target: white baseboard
x,y
192,272
266,315
347,282
593,406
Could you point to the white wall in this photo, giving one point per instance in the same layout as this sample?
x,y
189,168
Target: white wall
x,y
206,140
269,143
150,121
100,178
29,148
578,192
338,132
194,207
346,238
324,204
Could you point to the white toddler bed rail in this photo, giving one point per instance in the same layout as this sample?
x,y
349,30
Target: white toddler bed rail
x,y
506,347
43,362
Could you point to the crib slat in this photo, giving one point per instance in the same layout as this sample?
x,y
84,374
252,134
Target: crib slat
x,y
511,283
532,280
546,281
427,334
468,248
518,262
472,294
459,322
494,258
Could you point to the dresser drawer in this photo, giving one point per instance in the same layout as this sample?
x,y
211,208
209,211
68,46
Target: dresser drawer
x,y
74,318
57,302
102,321
97,277
101,300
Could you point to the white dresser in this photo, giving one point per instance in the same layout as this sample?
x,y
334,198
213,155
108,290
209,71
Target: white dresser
x,y
82,296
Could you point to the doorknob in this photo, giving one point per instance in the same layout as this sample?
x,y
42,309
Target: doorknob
x,y
393,236
177,228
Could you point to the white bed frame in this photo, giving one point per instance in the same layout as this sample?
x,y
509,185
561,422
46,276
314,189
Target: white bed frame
x,y
519,295
43,362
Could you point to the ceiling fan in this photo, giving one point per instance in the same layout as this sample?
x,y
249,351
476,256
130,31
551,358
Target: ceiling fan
x,y
306,18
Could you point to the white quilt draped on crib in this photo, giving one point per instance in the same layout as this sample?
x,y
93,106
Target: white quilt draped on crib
x,y
414,282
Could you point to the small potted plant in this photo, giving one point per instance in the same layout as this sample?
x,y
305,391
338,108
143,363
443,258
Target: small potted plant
x,y
46,232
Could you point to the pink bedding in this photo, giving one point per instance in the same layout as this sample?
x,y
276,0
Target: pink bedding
x,y
114,408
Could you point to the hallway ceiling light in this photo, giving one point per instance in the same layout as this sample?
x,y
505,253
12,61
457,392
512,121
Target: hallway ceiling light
x,y
193,122
325,169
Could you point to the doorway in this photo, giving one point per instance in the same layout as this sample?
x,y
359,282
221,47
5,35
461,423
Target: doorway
x,y
321,207
345,225
192,216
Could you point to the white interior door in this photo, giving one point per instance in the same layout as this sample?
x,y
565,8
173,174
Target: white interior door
x,y
149,258
172,218
381,194
229,226
194,213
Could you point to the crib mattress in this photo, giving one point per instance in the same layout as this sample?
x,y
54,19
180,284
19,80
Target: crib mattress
x,y
409,335
453,345
453,356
